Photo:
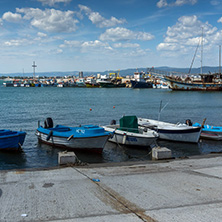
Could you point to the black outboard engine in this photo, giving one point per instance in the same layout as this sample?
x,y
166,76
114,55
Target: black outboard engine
x,y
113,122
188,122
48,123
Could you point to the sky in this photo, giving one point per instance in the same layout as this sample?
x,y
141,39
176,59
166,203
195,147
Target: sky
x,y
96,35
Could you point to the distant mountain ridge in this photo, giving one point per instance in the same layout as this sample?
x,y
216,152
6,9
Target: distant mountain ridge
x,y
123,72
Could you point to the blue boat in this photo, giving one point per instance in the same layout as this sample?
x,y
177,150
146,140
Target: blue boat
x,y
210,132
85,137
11,140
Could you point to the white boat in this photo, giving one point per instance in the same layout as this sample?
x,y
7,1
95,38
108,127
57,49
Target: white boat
x,y
173,132
131,136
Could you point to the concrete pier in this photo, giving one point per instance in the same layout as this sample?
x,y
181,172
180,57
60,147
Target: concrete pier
x,y
166,191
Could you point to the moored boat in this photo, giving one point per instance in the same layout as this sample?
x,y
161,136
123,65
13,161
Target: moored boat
x,y
140,81
206,82
91,83
128,133
11,140
85,137
173,132
210,132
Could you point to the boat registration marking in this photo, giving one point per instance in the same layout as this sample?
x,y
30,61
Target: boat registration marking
x,y
80,131
133,139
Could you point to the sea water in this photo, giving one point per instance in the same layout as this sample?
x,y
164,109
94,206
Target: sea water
x,y
21,109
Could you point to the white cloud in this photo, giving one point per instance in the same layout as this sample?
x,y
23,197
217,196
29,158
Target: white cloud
x,y
215,2
50,20
95,46
72,43
40,34
87,45
18,42
11,17
126,45
123,34
100,21
53,2
187,32
219,20
163,3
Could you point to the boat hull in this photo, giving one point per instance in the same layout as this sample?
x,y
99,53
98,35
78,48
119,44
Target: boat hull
x,y
185,86
173,132
188,135
11,140
131,139
140,84
78,138
211,132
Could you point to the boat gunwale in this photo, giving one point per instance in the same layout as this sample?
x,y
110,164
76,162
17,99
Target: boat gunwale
x,y
73,135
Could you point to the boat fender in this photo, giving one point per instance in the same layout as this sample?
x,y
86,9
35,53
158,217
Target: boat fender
x,y
124,138
189,122
69,138
49,136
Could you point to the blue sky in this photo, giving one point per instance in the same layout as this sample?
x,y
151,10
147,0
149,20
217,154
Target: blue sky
x,y
95,35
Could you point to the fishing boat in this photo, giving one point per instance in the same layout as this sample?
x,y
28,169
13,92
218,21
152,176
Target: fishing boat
x,y
11,140
205,82
81,82
201,82
140,81
174,132
210,132
111,81
91,83
128,133
85,137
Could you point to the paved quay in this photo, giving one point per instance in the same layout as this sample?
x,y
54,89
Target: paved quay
x,y
165,191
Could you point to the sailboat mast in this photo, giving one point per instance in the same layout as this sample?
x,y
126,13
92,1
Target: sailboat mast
x,y
201,61
219,59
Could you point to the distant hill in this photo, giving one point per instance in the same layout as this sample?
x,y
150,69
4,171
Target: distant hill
x,y
124,72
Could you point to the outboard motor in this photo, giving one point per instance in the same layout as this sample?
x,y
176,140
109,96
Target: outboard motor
x,y
113,122
188,122
48,123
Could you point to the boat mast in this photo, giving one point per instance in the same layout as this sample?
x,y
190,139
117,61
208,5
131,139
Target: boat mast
x,y
194,57
201,60
219,59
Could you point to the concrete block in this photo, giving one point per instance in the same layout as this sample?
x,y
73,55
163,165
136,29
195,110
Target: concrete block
x,y
67,158
159,153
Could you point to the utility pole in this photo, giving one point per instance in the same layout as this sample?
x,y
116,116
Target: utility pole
x,y
34,66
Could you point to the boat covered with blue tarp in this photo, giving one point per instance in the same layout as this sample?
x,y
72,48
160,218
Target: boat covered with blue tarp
x,y
85,137
210,132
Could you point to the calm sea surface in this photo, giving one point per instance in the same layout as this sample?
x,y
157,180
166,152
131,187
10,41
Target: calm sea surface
x,y
22,108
